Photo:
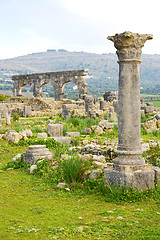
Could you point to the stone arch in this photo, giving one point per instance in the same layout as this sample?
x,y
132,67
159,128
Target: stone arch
x,y
18,86
71,92
26,90
45,85
56,79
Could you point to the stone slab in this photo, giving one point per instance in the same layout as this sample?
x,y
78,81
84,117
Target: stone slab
x,y
55,130
63,140
141,180
72,134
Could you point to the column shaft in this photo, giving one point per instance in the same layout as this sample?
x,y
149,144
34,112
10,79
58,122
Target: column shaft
x,y
129,106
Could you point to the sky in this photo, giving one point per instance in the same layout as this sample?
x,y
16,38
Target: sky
x,y
29,26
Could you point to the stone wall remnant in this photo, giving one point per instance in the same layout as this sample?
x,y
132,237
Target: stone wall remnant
x,y
129,167
55,130
8,120
27,111
57,79
103,105
110,96
4,112
112,115
89,103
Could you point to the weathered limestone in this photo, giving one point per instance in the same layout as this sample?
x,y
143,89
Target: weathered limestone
x,y
27,111
105,124
89,103
110,96
42,135
57,79
55,130
8,120
63,140
72,134
129,152
115,105
14,137
67,110
4,112
36,152
149,108
112,116
103,105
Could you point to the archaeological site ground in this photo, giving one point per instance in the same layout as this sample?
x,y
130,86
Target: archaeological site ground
x,y
84,169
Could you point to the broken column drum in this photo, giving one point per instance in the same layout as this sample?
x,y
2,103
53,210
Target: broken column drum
x,y
129,152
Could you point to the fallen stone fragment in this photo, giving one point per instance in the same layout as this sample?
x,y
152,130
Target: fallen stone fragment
x,y
33,168
63,140
72,134
42,135
61,185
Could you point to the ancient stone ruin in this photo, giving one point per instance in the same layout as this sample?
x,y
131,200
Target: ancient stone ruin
x,y
129,167
57,79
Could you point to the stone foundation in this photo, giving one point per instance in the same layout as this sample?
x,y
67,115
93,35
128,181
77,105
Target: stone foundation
x,y
138,177
36,152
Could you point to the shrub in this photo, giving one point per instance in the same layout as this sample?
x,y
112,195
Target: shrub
x,y
3,97
153,155
15,117
19,163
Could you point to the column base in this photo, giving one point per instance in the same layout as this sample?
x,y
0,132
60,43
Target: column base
x,y
137,177
129,158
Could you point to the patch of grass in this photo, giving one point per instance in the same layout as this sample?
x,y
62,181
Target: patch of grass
x,y
73,169
15,117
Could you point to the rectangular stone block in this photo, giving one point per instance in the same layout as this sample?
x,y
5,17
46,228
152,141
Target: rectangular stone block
x,y
27,111
141,180
4,112
55,130
63,140
72,134
149,109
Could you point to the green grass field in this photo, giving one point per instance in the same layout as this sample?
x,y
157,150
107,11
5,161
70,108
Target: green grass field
x,y
32,208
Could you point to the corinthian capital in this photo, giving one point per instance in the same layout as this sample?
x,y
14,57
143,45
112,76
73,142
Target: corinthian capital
x,y
129,44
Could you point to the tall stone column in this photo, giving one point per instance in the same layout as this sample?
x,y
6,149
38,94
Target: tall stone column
x,y
129,152
129,51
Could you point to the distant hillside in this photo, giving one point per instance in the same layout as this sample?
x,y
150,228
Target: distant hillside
x,y
102,67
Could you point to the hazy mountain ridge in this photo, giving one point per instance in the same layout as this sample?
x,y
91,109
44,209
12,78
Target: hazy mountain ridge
x,y
102,67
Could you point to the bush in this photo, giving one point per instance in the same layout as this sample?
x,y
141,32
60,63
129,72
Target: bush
x,y
3,97
153,155
15,117
19,163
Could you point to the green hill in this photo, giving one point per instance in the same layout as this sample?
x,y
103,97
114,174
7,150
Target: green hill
x,y
102,67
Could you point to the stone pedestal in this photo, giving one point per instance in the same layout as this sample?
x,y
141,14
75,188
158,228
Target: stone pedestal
x,y
55,130
89,103
112,116
103,105
36,152
27,111
67,110
8,120
4,112
129,152
149,108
